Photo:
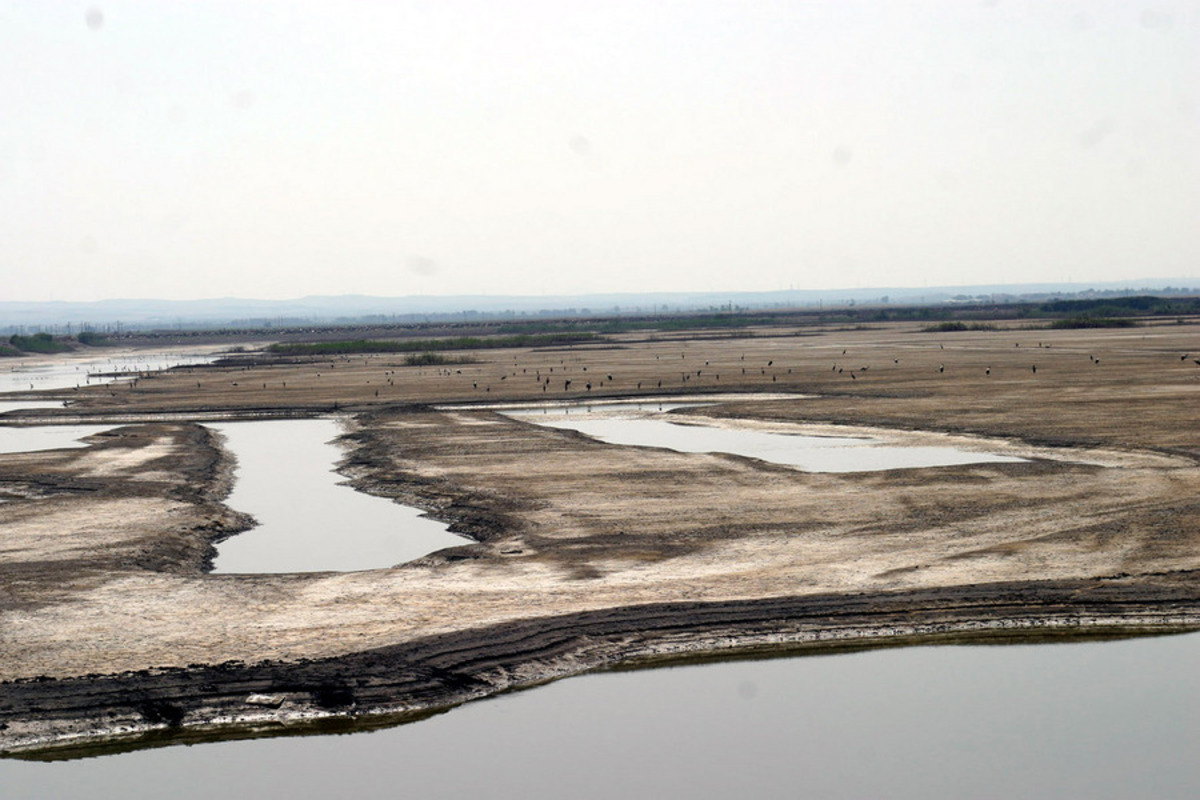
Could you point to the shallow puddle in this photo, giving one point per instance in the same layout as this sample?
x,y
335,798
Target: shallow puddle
x,y
648,425
307,520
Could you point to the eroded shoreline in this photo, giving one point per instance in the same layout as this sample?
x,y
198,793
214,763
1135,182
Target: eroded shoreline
x,y
398,684
113,632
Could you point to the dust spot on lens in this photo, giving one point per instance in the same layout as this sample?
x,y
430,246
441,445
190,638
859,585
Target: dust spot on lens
x,y
419,265
94,18
1156,20
1097,133
243,100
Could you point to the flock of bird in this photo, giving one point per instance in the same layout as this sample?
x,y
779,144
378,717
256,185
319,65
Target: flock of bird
x,y
572,375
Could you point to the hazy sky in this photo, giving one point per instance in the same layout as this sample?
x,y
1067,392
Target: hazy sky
x,y
273,150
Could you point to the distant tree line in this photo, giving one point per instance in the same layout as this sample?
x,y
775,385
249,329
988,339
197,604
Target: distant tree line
x,y
37,343
93,338
358,346
20,344
1094,322
953,327
727,320
432,360
687,322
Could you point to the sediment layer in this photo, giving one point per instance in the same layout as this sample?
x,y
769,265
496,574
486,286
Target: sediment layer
x,y
66,717
589,555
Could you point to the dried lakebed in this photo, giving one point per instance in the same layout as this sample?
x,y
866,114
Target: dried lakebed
x,y
582,560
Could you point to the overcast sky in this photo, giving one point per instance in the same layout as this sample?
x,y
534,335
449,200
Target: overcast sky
x,y
274,150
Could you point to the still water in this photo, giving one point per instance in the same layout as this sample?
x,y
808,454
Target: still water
x,y
650,426
66,371
69,370
46,437
307,520
1095,719
1115,719
22,405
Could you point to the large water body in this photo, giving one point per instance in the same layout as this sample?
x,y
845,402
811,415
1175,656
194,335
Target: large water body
x,y
1116,719
308,521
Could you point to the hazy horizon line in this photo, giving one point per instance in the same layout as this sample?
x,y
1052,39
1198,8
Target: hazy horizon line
x,y
1130,284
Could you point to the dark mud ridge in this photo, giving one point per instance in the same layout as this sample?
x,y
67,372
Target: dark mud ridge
x,y
63,718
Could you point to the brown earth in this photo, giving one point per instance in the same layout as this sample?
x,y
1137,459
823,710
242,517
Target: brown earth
x,y
591,554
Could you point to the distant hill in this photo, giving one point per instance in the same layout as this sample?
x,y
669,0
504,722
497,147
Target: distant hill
x,y
108,315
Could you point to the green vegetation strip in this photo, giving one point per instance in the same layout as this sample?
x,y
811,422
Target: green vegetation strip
x,y
38,343
1137,305
432,345
687,322
432,360
952,327
1094,322
93,339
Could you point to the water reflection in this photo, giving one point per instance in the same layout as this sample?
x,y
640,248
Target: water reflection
x,y
307,521
22,405
1111,719
645,426
70,370
46,437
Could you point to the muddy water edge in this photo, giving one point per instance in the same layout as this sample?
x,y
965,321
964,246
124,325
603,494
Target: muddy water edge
x,y
559,582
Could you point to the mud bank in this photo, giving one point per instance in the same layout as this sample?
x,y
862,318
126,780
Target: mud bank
x,y
74,717
587,555
128,638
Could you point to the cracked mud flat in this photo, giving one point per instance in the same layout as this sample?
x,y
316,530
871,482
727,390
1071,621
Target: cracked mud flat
x,y
587,555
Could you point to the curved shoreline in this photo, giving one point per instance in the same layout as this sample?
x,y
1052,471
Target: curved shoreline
x,y
43,717
587,556
73,717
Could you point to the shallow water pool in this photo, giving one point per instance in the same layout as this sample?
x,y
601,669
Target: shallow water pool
x,y
307,520
649,425
46,437
69,370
